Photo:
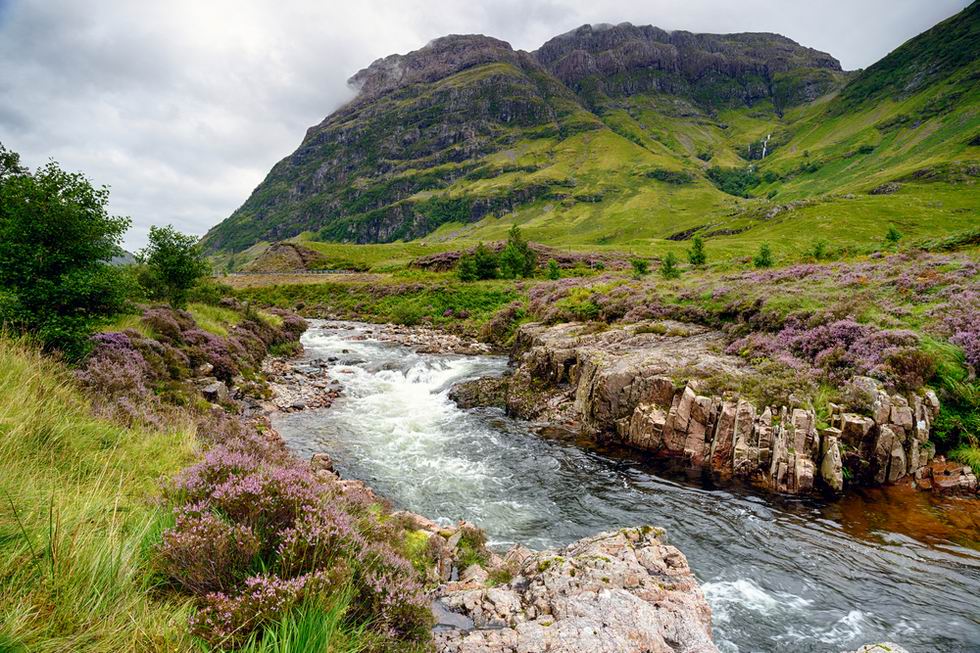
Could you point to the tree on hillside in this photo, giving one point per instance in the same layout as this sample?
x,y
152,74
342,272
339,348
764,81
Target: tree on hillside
x,y
481,264
56,240
668,266
764,258
641,267
696,256
892,236
174,264
517,259
554,272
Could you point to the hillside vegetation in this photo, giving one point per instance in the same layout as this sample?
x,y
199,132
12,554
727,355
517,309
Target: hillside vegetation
x,y
581,156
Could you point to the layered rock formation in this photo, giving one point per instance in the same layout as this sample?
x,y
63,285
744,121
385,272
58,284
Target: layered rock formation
x,y
623,385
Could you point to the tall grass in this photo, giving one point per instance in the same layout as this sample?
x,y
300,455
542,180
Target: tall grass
x,y
312,627
77,518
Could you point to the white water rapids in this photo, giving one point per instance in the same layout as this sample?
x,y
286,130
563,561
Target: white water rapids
x,y
779,576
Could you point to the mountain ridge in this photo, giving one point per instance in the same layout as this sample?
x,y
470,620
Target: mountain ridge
x,y
466,129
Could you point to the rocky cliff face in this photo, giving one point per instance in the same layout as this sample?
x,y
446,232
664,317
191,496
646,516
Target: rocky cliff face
x,y
714,69
622,385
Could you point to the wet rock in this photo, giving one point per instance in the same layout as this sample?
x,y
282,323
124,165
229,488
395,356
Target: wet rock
x,y
621,592
488,391
831,464
883,647
321,461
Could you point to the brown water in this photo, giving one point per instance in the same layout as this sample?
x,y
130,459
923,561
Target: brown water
x,y
780,574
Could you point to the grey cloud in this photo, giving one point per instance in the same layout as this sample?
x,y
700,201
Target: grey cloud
x,y
182,107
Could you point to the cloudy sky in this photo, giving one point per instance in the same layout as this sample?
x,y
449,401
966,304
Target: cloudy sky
x,y
182,106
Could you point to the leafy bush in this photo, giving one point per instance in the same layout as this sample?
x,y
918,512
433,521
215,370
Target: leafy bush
x,y
554,273
668,266
892,236
174,263
696,256
56,241
734,181
764,258
517,259
641,267
482,264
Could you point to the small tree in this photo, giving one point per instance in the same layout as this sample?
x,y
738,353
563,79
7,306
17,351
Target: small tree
x,y
818,249
668,266
56,241
696,256
641,267
486,262
517,259
764,258
892,236
466,268
174,264
554,272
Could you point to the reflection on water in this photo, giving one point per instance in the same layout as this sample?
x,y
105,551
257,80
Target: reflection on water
x,y
780,575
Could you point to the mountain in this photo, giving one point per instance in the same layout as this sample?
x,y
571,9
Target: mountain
x,y
623,135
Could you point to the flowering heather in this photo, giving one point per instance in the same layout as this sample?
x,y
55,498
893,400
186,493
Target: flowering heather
x,y
204,553
840,348
226,619
204,347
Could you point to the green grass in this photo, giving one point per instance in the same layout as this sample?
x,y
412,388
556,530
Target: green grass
x,y
312,627
968,456
214,319
78,520
394,300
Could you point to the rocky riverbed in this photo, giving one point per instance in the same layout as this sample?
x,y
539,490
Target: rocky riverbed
x,y
580,594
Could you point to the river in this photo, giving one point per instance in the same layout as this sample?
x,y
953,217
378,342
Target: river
x,y
780,575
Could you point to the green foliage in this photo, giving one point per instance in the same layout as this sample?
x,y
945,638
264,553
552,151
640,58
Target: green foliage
x,y
696,256
641,267
968,456
734,181
316,625
763,259
892,236
517,258
677,177
56,240
78,520
482,264
818,249
668,266
554,272
174,263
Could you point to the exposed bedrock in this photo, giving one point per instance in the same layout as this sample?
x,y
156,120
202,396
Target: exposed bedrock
x,y
638,385
626,591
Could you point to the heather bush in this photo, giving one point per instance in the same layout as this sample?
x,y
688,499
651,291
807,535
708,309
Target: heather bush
x,y
204,553
203,347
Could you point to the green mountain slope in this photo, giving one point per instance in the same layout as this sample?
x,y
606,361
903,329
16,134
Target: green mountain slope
x,y
629,136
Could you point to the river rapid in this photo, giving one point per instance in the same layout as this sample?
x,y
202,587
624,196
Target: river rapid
x,y
780,575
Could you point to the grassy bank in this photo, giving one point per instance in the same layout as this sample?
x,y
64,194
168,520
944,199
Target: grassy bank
x,y
79,518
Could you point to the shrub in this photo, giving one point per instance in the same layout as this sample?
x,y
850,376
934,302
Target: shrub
x,y
641,267
554,272
56,241
734,181
174,264
696,256
204,553
481,264
764,258
892,236
668,266
517,259
818,250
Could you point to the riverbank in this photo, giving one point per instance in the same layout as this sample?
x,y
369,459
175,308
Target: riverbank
x,y
765,566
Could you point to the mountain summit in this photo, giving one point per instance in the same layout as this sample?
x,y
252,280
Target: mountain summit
x,y
612,133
